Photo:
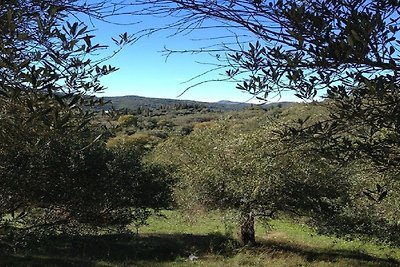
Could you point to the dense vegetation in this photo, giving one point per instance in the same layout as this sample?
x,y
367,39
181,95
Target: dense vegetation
x,y
70,166
344,51
241,162
56,171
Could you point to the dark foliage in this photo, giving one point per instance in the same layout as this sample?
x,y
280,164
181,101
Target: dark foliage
x,y
55,168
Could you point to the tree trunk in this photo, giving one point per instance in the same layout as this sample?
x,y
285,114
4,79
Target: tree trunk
x,y
247,234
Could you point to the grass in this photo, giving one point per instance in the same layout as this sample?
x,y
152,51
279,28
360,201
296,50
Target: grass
x,y
211,238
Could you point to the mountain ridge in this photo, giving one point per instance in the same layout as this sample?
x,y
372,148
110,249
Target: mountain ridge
x,y
134,102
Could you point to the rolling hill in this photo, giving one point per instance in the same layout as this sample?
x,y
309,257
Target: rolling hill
x,y
134,102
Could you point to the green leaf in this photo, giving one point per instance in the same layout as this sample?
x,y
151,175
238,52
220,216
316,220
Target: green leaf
x,y
355,35
73,28
88,40
82,30
74,100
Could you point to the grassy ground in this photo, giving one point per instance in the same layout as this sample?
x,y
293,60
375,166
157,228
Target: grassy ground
x,y
210,238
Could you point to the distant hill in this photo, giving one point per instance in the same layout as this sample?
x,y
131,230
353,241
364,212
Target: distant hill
x,y
134,102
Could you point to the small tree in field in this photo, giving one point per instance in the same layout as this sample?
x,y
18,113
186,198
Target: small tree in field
x,y
251,173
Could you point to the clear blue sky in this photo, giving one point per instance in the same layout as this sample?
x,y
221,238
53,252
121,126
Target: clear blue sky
x,y
144,71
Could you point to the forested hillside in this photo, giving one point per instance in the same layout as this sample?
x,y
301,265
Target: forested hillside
x,y
162,117
135,102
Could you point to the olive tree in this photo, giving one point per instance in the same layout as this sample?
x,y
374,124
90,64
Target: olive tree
x,y
251,172
346,51
55,168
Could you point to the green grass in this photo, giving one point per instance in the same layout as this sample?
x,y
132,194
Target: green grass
x,y
171,240
175,222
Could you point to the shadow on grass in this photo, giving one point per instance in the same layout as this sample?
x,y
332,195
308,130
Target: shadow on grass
x,y
318,254
127,249
118,249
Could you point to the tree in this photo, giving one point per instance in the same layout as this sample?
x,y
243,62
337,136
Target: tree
x,y
240,163
141,186
221,166
55,168
301,46
346,50
127,121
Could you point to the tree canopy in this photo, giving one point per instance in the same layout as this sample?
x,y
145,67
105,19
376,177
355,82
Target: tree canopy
x,y
230,165
240,163
300,46
341,50
55,168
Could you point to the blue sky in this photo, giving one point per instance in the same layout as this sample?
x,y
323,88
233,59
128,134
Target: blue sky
x,y
145,71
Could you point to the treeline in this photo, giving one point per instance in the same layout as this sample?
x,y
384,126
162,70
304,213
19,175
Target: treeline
x,y
132,102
